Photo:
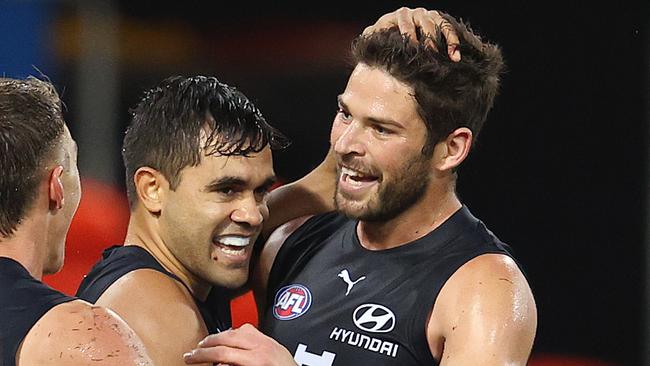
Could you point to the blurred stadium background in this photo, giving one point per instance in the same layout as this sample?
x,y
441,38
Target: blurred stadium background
x,y
560,171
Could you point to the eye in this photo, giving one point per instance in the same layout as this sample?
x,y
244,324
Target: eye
x,y
226,191
343,115
261,193
382,130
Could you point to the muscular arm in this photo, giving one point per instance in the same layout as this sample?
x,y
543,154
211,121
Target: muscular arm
x,y
160,310
484,315
77,333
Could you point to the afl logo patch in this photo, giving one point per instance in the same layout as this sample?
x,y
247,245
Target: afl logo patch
x,y
291,302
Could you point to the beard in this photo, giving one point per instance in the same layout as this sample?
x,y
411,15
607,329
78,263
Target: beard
x,y
405,189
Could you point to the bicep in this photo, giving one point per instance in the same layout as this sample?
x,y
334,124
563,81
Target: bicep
x,y
487,314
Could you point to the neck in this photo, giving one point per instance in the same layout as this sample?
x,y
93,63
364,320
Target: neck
x,y
415,222
142,232
26,246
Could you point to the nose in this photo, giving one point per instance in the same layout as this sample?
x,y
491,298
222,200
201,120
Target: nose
x,y
346,139
249,211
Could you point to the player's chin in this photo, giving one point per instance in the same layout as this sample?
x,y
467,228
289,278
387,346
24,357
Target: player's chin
x,y
351,208
232,279
230,270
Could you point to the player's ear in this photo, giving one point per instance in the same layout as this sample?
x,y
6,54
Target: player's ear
x,y
150,187
454,149
55,188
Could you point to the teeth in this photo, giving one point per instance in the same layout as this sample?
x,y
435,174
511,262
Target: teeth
x,y
349,172
232,251
234,241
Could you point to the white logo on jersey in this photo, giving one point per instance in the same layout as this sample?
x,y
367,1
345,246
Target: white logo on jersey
x,y
372,344
304,358
374,318
345,275
291,302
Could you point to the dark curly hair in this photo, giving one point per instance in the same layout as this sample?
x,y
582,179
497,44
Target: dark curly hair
x,y
174,118
449,94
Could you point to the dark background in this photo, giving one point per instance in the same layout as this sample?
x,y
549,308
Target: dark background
x,y
560,170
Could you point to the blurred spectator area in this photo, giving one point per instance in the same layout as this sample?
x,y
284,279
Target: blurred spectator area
x,y
109,55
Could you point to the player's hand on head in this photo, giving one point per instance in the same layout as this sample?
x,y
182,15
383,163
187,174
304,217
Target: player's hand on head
x,y
429,22
245,346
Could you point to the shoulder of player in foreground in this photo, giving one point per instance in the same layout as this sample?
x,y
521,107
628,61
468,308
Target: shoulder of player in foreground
x,y
78,333
485,313
160,310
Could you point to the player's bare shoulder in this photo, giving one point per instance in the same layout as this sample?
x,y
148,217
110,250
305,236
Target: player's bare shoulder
x,y
145,298
78,333
145,286
160,310
488,304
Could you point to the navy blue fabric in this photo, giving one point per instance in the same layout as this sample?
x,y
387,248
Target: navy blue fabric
x,y
117,261
23,301
380,319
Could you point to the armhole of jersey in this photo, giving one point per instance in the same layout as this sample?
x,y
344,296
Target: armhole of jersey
x,y
422,317
43,308
138,259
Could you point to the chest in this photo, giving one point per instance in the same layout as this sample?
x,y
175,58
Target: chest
x,y
345,307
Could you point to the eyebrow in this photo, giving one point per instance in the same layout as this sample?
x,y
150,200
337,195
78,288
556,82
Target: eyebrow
x,y
229,181
382,121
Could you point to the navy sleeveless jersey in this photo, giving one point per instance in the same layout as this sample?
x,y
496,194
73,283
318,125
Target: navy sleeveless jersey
x,y
23,301
333,302
119,260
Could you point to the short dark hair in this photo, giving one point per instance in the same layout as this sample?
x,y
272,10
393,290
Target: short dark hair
x,y
449,94
31,123
167,126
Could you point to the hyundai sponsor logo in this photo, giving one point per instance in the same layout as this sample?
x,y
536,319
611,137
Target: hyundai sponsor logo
x,y
374,318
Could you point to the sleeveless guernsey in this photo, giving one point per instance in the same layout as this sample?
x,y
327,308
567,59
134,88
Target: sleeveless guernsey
x,y
23,301
119,260
333,302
